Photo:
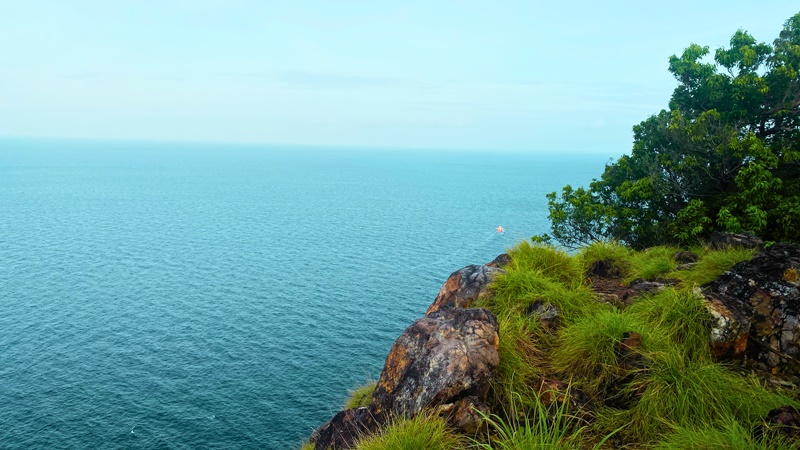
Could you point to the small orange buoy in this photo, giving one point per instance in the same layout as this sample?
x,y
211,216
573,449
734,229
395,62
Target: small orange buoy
x,y
499,229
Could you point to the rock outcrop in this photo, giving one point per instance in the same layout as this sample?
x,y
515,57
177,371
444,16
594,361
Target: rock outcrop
x,y
721,240
686,257
345,428
466,285
441,358
756,307
442,362
604,269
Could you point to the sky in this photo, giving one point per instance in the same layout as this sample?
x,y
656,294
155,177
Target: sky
x,y
511,75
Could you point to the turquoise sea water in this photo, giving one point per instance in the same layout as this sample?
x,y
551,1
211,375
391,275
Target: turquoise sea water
x,y
219,296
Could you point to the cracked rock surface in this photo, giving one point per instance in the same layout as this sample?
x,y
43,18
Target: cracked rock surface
x,y
756,306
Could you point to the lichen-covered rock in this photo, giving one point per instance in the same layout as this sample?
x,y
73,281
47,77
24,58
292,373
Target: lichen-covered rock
x,y
764,292
614,292
469,415
729,329
547,313
345,428
641,286
448,355
501,261
721,240
463,287
686,257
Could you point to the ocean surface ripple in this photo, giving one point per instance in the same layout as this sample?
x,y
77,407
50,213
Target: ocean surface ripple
x,y
212,296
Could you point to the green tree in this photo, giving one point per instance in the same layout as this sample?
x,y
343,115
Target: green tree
x,y
724,156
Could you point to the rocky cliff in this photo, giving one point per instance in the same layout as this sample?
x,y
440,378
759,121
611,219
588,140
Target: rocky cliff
x,y
445,362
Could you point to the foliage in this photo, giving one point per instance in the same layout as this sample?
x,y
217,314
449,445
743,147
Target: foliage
x,y
423,432
724,156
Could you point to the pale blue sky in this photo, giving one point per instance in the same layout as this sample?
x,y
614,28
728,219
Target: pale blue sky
x,y
448,74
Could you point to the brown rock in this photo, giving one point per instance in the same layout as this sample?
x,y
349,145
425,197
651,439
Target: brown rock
x,y
684,257
449,354
463,287
729,329
501,261
720,240
761,293
547,313
604,269
345,428
469,415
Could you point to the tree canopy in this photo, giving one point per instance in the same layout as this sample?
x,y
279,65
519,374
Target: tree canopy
x,y
724,156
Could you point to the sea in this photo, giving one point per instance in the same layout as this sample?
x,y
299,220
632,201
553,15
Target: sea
x,y
158,295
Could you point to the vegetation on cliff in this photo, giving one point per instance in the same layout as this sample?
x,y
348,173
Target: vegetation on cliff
x,y
725,155
582,368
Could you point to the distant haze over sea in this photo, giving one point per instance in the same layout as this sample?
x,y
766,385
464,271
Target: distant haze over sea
x,y
169,295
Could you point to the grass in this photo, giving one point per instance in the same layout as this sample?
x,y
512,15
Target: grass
x,y
541,427
652,263
520,358
731,436
677,393
678,318
713,263
605,251
586,349
360,396
515,290
550,262
423,432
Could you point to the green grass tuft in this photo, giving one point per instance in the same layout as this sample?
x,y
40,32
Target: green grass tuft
x,y
552,263
677,317
520,359
652,263
360,396
605,251
677,393
423,432
541,427
585,350
732,436
713,263
515,290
